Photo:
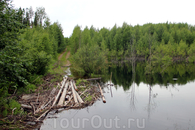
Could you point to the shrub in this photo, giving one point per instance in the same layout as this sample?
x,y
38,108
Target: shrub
x,y
87,60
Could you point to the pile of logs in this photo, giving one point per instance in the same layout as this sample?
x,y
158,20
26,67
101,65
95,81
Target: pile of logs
x,y
66,97
68,90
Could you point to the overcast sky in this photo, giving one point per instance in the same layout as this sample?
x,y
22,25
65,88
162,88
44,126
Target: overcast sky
x,y
105,13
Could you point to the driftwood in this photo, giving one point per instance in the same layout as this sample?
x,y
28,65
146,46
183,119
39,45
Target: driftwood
x,y
79,98
26,106
59,92
41,108
43,114
56,98
33,108
74,94
83,92
75,87
93,79
67,97
103,98
62,98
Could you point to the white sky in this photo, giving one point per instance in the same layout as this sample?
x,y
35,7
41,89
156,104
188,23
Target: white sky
x,y
105,13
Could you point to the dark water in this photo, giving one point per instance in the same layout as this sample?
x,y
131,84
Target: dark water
x,y
159,101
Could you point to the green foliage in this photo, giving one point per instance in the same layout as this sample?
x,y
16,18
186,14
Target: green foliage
x,y
7,105
87,60
75,39
163,39
88,98
191,53
14,104
12,71
26,51
38,50
182,49
80,81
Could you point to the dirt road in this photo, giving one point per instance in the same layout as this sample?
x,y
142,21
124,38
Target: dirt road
x,y
67,56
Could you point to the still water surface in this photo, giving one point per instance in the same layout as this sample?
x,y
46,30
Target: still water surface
x,y
147,106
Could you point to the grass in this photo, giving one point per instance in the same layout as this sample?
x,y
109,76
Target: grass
x,y
57,66
89,98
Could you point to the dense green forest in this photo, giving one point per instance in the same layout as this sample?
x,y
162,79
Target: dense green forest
x,y
162,43
28,44
165,41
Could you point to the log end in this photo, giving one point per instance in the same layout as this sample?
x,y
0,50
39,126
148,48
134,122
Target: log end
x,y
104,101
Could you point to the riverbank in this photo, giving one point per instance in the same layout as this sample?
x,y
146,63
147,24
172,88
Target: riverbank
x,y
35,102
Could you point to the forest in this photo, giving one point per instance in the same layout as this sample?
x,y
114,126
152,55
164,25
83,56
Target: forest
x,y
29,42
162,43
165,40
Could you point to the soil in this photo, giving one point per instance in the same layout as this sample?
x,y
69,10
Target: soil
x,y
68,62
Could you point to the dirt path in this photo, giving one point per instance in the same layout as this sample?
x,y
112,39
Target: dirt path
x,y
67,61
61,54
67,56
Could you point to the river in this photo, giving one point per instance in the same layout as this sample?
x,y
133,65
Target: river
x,y
163,100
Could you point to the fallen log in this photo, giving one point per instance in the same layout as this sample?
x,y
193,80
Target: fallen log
x,y
74,94
59,91
41,108
43,114
79,98
83,92
93,79
75,87
103,98
26,106
33,108
62,98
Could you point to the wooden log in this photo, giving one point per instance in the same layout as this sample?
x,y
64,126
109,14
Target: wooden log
x,y
103,98
43,114
73,92
75,87
26,106
82,86
83,92
59,91
41,108
62,98
33,108
93,79
69,93
79,98
56,98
